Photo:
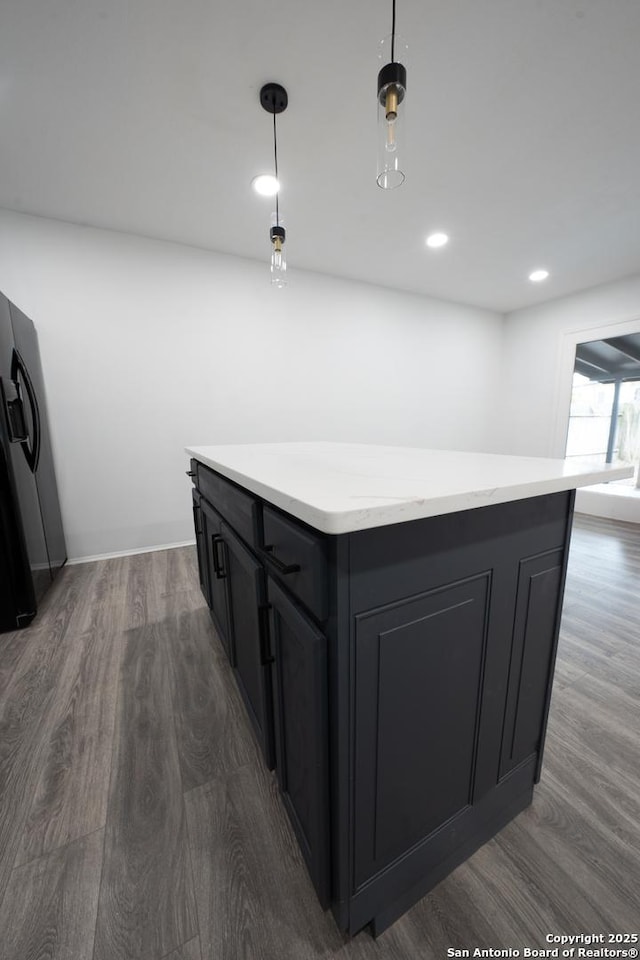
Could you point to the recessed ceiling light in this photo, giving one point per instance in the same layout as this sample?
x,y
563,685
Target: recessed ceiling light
x,y
266,185
538,276
435,240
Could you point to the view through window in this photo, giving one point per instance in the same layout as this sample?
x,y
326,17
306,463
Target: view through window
x,y
604,422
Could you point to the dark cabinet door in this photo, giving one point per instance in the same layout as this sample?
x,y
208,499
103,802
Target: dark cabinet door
x,y
203,571
418,683
247,608
217,576
300,714
534,639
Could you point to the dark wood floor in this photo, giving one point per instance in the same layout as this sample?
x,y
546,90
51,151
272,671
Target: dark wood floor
x,y
136,820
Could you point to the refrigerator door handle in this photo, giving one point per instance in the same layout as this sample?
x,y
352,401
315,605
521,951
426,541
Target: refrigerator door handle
x,y
31,451
10,392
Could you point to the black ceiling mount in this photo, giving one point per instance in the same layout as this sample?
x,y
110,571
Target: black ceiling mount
x,y
273,98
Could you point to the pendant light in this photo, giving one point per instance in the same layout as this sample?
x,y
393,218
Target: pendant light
x,y
273,98
392,86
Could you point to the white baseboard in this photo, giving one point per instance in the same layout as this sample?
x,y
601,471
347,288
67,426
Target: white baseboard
x,y
615,503
130,553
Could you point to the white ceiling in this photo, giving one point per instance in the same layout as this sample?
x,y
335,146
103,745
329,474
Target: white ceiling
x,y
523,134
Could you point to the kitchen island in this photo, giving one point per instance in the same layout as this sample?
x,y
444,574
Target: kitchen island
x,y
391,616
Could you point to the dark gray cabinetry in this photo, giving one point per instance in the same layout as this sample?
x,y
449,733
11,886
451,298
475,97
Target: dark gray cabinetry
x,y
536,611
201,546
303,555
275,645
247,609
453,636
418,686
300,713
404,674
213,562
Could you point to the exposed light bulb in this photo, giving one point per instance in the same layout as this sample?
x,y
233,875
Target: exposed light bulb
x,y
278,267
391,115
537,276
266,185
278,257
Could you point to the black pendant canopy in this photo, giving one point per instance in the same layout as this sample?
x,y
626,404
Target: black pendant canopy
x,y
273,98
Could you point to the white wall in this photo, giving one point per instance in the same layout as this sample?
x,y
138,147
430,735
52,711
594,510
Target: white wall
x,y
539,354
150,346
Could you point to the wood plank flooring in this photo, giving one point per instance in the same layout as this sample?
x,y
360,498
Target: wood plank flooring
x,y
138,823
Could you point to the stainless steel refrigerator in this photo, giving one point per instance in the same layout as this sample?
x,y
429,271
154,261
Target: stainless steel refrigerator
x,y
32,547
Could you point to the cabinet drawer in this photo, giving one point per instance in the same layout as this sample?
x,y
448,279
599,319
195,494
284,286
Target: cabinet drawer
x,y
238,508
288,544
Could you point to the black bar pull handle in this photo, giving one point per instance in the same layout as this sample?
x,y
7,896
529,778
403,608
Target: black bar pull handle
x,y
190,473
266,656
277,564
218,564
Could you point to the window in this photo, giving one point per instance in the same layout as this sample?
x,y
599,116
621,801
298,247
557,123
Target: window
x,y
628,427
604,422
590,418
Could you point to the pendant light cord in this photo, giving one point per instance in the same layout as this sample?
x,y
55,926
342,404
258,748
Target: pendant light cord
x,y
275,157
393,31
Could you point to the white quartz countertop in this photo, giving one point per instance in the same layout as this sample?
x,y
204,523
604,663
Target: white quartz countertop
x,y
343,487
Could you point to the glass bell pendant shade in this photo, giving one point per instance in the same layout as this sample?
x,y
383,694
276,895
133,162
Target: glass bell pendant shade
x,y
392,86
278,235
